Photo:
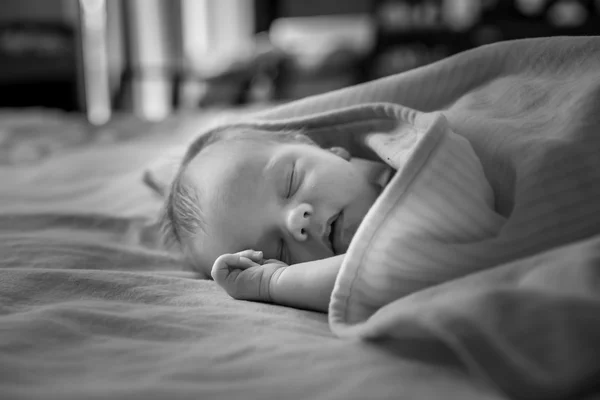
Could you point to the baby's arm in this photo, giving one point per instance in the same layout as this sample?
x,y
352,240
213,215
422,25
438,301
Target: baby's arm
x,y
246,276
307,285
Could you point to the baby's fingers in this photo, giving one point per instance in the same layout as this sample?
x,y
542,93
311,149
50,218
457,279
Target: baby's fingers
x,y
223,266
255,256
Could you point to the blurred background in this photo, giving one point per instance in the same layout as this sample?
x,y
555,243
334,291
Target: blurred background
x,y
151,58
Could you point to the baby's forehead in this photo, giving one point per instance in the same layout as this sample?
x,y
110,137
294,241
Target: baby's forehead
x,y
229,161
228,177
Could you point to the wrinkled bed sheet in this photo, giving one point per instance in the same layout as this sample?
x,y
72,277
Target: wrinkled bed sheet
x,y
92,307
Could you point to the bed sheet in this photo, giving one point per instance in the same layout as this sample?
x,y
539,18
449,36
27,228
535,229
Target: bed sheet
x,y
92,307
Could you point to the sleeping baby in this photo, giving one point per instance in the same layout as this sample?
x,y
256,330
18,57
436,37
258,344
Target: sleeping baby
x,y
272,216
269,215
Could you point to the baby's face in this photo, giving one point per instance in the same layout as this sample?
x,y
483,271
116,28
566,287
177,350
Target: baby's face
x,y
293,202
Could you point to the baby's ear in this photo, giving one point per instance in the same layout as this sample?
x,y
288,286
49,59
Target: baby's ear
x,y
341,152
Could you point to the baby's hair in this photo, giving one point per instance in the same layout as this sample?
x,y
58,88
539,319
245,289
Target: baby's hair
x,y
182,216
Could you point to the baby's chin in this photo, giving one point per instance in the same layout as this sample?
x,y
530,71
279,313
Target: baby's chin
x,y
348,233
352,216
350,220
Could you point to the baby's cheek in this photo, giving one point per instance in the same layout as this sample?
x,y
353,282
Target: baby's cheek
x,y
337,185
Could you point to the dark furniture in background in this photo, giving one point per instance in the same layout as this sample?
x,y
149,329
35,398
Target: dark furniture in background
x,y
412,33
38,65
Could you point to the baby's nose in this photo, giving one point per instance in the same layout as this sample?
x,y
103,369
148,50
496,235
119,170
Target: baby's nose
x,y
299,220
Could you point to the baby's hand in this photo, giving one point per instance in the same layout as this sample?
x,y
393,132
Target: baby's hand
x,y
245,275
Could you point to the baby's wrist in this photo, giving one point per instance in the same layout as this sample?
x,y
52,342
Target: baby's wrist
x,y
273,282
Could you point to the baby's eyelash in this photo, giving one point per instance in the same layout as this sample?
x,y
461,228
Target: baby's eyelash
x,y
291,183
